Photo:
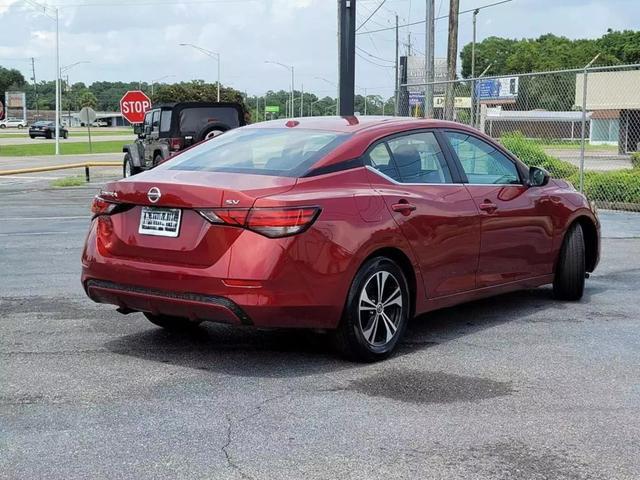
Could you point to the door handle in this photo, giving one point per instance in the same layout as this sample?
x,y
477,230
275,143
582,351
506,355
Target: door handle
x,y
403,207
488,206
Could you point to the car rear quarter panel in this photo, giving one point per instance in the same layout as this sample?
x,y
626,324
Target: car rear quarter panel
x,y
353,225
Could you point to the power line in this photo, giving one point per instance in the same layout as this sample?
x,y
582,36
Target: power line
x,y
420,22
372,21
374,56
373,63
372,14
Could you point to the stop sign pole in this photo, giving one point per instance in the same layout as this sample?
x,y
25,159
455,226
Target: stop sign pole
x,y
133,106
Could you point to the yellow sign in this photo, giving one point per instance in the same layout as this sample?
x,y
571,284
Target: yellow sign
x,y
460,102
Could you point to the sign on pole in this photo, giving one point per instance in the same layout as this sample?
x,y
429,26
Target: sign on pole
x,y
497,89
272,109
88,116
133,105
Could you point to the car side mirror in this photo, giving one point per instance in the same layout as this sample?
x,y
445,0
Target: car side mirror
x,y
137,129
538,177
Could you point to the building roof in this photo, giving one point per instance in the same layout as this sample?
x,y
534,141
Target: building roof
x,y
534,115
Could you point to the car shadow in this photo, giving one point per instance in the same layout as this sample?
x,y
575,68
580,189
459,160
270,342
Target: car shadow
x,y
249,352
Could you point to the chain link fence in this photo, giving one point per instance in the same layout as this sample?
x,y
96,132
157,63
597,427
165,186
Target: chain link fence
x,y
581,125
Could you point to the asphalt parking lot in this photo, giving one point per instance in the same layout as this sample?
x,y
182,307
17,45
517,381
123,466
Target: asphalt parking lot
x,y
517,387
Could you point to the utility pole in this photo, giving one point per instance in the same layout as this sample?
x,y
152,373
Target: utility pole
x,y
35,86
347,54
428,58
473,68
395,108
452,53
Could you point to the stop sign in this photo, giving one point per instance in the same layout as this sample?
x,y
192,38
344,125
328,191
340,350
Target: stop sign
x,y
133,106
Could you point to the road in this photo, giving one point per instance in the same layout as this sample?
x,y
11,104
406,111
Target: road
x,y
518,387
594,159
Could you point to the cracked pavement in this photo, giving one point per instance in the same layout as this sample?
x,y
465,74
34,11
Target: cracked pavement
x,y
516,387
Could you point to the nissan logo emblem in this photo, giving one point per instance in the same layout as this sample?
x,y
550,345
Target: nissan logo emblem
x,y
154,194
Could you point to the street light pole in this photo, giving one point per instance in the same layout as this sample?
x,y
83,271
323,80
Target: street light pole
x,y
153,82
65,69
57,83
312,104
209,53
56,19
291,68
365,98
337,90
292,90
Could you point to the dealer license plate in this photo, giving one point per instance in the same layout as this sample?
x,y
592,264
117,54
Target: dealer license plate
x,y
164,222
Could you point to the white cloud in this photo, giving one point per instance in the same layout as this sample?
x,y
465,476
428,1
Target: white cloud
x,y
140,42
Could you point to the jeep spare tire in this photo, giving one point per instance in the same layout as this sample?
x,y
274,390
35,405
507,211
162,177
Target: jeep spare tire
x,y
210,131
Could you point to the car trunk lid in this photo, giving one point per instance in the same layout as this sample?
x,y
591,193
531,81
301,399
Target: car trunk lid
x,y
196,242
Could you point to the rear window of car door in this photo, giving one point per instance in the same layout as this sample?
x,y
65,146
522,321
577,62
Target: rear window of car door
x,y
481,161
414,158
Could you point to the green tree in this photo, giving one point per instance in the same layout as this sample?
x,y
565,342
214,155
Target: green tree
x,y
198,91
624,46
11,79
548,53
87,99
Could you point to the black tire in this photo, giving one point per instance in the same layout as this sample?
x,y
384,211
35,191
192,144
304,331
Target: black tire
x,y
65,135
568,283
48,135
175,324
2,125
128,168
358,336
157,160
32,136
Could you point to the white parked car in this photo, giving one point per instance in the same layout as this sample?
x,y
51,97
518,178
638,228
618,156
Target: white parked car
x,y
13,122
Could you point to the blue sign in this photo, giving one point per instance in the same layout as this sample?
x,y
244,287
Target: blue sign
x,y
416,98
487,89
497,89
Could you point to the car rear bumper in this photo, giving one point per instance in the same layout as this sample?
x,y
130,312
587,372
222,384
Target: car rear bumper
x,y
284,295
189,305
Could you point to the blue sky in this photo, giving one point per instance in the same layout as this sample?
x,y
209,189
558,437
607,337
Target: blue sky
x,y
125,42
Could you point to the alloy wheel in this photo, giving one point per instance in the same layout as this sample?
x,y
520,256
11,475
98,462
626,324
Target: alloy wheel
x,y
380,308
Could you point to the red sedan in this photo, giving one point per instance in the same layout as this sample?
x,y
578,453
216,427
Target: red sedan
x,y
353,225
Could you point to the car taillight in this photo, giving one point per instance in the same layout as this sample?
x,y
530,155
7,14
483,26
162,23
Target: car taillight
x,y
175,144
270,222
100,206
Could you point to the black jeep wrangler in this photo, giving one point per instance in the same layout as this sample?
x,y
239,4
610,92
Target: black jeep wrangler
x,y
171,127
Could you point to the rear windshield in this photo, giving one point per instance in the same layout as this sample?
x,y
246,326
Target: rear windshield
x,y
194,119
267,151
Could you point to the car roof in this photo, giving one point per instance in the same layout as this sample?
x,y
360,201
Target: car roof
x,y
353,124
364,131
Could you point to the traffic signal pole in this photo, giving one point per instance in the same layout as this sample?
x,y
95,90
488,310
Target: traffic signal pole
x,y
346,55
